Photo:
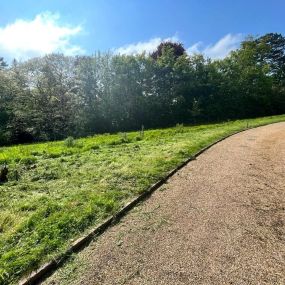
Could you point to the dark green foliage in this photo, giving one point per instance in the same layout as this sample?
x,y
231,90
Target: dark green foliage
x,y
177,48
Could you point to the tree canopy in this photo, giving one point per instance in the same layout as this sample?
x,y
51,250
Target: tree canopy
x,y
177,49
55,96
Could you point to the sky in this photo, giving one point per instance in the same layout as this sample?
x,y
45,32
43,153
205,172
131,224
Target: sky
x,y
31,28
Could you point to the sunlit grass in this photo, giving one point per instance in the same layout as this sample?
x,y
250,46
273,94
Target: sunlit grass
x,y
56,191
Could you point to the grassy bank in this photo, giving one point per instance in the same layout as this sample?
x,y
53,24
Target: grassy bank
x,y
57,190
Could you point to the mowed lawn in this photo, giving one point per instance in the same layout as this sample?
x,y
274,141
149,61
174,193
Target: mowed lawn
x,y
57,190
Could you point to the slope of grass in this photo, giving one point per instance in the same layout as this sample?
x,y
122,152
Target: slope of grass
x,y
57,190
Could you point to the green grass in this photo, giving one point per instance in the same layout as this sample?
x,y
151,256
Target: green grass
x,y
57,190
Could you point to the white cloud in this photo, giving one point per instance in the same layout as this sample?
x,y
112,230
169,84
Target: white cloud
x,y
42,35
195,48
220,49
140,47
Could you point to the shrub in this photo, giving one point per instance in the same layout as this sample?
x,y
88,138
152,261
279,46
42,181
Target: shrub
x,y
69,142
179,128
124,138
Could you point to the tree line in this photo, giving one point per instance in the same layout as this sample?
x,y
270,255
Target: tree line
x,y
55,96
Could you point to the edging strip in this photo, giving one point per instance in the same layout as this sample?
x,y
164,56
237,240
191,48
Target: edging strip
x,y
49,267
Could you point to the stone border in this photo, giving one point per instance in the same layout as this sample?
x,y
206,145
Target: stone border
x,y
48,268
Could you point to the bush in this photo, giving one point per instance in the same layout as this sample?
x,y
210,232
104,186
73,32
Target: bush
x,y
124,138
69,142
179,128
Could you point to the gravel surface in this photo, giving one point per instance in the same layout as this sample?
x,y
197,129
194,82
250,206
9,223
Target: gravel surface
x,y
219,220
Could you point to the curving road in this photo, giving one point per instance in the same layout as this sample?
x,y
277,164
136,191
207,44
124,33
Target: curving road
x,y
219,220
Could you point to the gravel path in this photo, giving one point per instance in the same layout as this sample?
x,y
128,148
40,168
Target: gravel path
x,y
219,220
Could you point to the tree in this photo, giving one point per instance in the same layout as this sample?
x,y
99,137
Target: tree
x,y
44,105
6,91
178,49
271,50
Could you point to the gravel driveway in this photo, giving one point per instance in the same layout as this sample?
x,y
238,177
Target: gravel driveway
x,y
219,220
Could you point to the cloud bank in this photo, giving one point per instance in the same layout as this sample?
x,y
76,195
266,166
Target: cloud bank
x,y
218,50
42,35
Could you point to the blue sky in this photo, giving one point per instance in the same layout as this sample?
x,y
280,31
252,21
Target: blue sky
x,y
36,27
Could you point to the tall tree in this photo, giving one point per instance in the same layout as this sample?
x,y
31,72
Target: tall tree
x,y
178,49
